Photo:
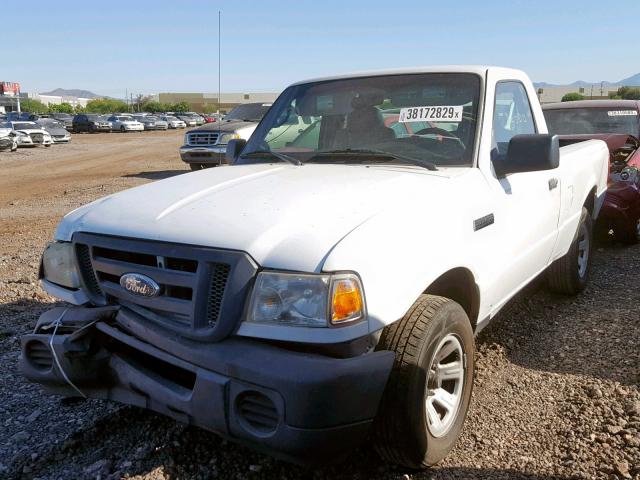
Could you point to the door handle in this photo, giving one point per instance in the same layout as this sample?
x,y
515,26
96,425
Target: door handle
x,y
553,183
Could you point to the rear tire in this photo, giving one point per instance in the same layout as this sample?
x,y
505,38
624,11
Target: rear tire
x,y
123,130
429,390
196,166
569,274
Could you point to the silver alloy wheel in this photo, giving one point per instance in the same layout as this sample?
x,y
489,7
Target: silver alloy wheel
x,y
445,382
583,250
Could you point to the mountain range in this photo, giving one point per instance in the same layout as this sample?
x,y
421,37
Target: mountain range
x,y
632,81
72,92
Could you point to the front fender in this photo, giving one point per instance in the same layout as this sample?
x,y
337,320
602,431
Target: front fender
x,y
398,254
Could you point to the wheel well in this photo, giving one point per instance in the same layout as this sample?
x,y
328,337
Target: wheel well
x,y
590,202
459,285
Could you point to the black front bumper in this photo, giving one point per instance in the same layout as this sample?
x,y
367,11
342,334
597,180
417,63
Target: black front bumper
x,y
207,155
304,407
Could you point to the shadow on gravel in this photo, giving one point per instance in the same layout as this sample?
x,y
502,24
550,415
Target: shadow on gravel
x,y
132,442
157,175
596,333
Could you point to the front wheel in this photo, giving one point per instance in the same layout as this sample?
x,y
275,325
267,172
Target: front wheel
x,y
122,129
569,274
429,390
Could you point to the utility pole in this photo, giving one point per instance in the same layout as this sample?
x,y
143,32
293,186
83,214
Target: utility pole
x,y
219,62
126,98
601,89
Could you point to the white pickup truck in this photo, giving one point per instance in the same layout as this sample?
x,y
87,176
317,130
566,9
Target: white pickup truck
x,y
327,288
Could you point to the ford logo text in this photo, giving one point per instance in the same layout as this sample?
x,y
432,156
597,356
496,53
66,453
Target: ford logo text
x,y
139,284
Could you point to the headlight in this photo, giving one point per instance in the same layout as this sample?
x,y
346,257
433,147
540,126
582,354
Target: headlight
x,y
225,138
306,300
58,265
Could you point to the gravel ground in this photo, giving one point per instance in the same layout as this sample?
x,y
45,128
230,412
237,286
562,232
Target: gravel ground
x,y
556,392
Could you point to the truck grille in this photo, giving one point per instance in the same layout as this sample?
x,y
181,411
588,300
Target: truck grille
x,y
202,138
196,287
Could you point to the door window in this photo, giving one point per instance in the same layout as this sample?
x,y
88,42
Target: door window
x,y
512,115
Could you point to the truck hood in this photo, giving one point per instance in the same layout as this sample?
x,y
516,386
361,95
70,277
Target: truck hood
x,y
226,127
284,216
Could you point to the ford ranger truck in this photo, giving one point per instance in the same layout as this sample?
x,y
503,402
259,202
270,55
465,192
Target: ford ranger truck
x,y
206,146
324,289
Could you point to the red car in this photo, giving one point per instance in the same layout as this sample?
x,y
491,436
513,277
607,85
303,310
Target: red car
x,y
616,122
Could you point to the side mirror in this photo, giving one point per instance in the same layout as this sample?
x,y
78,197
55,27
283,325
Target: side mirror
x,y
529,153
234,148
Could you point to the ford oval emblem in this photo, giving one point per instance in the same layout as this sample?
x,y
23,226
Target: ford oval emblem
x,y
139,284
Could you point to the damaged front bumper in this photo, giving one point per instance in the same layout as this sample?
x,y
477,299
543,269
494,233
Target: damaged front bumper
x,y
304,407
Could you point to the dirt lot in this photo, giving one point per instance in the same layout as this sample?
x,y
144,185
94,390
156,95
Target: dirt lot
x,y
556,392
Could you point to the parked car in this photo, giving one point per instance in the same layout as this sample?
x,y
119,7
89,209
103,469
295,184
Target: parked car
x,y
124,123
206,146
64,118
29,134
151,123
8,139
22,116
58,133
587,117
160,124
90,123
173,122
617,123
199,119
187,119
307,299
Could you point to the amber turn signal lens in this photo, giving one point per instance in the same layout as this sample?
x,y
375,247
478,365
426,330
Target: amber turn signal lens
x,y
346,300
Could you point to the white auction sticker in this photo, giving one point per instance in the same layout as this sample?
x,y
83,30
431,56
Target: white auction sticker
x,y
622,113
441,113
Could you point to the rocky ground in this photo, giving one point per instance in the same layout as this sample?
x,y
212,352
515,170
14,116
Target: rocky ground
x,y
556,392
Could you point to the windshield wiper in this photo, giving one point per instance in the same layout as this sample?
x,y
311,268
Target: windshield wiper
x,y
280,156
377,153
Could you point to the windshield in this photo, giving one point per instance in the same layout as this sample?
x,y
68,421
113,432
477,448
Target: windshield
x,y
24,125
252,112
426,119
578,121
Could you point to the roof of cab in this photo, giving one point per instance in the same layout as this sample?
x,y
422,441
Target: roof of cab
x,y
477,69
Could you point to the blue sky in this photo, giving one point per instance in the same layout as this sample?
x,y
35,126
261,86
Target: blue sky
x,y
158,46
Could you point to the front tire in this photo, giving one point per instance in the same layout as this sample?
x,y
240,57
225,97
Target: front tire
x,y
429,390
196,166
122,129
569,274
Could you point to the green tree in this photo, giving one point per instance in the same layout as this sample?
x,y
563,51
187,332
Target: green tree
x,y
154,107
629,93
179,107
572,97
106,105
32,106
62,108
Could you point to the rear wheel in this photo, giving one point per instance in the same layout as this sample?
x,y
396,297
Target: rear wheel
x,y
569,274
196,166
429,390
122,129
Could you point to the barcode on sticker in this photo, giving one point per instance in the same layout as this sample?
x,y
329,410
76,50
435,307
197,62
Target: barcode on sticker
x,y
622,113
444,113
